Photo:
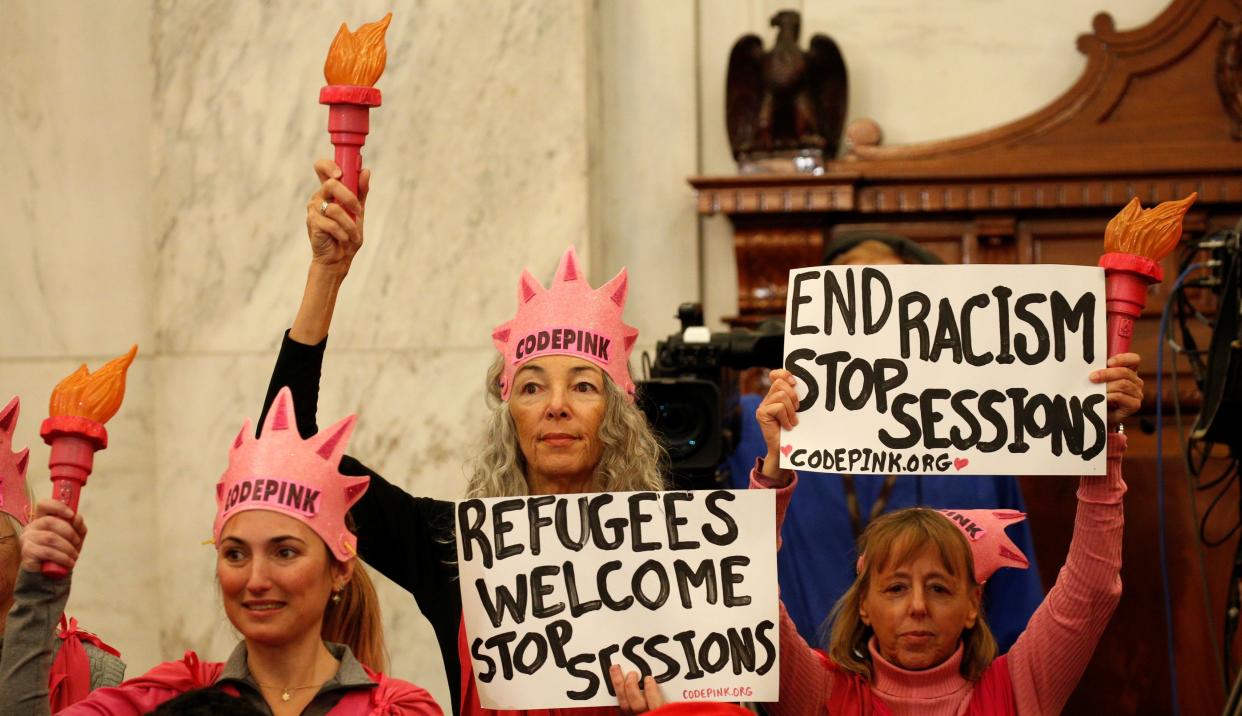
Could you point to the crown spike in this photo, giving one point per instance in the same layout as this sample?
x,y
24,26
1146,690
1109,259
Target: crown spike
x,y
8,416
354,489
618,288
528,287
241,435
630,337
23,461
278,418
568,268
13,498
1015,559
335,438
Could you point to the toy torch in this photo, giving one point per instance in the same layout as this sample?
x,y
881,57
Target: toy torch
x,y
80,406
1135,243
355,61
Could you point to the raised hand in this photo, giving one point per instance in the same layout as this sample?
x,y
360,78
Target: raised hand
x,y
1125,387
779,409
55,535
334,217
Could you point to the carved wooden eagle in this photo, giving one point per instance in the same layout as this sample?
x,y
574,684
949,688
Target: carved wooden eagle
x,y
785,99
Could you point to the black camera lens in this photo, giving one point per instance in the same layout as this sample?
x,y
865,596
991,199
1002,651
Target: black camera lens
x,y
681,425
684,413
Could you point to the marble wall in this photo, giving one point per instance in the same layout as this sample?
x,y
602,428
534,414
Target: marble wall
x,y
158,164
77,278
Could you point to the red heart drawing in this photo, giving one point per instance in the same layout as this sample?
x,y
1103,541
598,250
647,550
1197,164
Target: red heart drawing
x,y
786,449
960,462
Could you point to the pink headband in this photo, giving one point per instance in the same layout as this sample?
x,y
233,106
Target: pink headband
x,y
568,318
279,471
13,498
990,547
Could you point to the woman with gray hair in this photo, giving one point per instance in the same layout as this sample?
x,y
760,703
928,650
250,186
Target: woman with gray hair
x,y
563,420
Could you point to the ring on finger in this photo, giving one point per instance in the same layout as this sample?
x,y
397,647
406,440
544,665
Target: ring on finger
x,y
323,208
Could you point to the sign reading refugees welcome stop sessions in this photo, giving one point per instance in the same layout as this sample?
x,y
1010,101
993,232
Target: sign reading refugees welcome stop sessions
x,y
946,370
677,585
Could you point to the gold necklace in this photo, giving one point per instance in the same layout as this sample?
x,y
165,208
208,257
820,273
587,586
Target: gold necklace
x,y
285,694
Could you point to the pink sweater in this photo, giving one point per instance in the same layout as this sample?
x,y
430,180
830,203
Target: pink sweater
x,y
1044,664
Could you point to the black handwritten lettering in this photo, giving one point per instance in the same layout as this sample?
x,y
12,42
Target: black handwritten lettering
x,y
798,299
712,503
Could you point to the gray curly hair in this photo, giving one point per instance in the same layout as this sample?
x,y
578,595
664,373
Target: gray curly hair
x,y
632,458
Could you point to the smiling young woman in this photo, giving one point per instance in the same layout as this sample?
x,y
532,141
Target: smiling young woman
x,y
284,562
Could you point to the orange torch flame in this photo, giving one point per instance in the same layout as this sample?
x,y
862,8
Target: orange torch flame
x,y
94,396
357,58
1152,233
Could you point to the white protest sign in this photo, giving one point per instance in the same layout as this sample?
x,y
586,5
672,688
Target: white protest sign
x,y
970,370
677,585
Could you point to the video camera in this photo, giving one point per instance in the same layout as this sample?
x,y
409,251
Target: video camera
x,y
690,391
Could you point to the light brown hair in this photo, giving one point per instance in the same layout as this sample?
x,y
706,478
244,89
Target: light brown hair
x,y
356,621
897,538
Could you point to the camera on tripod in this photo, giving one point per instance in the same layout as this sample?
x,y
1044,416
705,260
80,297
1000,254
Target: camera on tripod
x,y
691,389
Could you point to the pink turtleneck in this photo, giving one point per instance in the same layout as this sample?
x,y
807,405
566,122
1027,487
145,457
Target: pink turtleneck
x,y
1045,663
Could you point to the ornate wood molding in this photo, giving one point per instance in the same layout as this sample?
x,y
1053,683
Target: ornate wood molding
x,y
1146,102
852,192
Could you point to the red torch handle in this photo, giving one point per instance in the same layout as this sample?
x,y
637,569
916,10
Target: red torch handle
x,y
74,442
1120,332
67,491
349,159
349,121
1126,278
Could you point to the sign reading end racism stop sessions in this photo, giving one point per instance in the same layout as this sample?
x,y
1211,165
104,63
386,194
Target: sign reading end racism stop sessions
x,y
677,585
946,370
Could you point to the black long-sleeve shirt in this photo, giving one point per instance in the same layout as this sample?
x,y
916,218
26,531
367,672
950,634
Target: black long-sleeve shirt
x,y
408,539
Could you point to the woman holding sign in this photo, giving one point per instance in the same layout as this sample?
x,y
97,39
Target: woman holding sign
x,y
563,419
288,579
909,636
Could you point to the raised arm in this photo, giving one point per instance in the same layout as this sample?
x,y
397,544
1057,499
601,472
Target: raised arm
x,y
408,539
1049,658
334,221
55,535
402,536
805,683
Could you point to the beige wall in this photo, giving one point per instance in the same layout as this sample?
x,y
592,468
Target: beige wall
x,y
157,165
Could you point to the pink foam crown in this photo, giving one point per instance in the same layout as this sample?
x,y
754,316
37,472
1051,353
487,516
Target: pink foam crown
x,y
989,545
568,318
280,471
13,498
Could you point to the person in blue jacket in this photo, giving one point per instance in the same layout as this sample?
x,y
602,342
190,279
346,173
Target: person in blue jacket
x,y
823,524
